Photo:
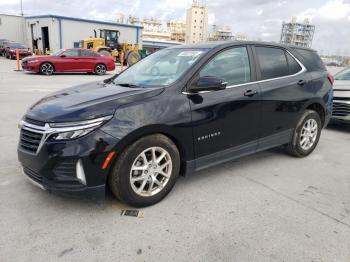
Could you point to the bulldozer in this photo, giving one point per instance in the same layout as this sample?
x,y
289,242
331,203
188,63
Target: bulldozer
x,y
107,43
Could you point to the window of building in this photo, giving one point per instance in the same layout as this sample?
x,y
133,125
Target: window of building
x,y
231,65
272,61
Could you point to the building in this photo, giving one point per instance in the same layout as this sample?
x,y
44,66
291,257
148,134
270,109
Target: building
x,y
12,27
197,23
299,34
152,28
54,32
177,30
221,33
241,37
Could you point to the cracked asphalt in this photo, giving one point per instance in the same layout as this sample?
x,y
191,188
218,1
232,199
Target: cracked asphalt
x,y
265,207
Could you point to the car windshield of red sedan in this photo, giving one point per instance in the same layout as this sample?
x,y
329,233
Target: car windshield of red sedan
x,y
160,69
57,53
17,46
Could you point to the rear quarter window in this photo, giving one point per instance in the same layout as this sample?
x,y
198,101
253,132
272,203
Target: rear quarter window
x,y
310,60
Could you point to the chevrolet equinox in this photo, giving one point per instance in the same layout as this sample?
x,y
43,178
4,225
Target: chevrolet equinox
x,y
177,111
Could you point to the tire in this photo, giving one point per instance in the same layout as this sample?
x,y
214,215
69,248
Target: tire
x,y
306,135
100,69
132,58
47,69
165,172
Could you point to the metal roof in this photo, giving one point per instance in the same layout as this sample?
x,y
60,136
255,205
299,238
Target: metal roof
x,y
82,20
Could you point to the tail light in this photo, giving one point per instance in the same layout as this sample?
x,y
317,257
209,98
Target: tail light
x,y
331,78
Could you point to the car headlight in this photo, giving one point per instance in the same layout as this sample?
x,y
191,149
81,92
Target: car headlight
x,y
33,61
72,130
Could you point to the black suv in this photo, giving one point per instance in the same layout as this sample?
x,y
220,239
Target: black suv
x,y
177,111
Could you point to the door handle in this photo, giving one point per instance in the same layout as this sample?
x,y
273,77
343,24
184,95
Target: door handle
x,y
301,82
250,93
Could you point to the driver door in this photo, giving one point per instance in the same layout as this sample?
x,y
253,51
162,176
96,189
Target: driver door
x,y
226,123
68,61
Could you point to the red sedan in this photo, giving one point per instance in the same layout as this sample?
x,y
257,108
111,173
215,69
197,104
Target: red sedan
x,y
70,60
10,50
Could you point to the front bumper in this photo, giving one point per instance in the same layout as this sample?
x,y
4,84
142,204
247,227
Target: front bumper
x,y
341,110
73,167
34,67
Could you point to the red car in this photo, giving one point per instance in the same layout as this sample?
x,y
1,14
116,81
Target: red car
x,y
70,60
10,50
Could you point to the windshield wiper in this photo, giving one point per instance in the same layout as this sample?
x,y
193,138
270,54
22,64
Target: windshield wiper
x,y
127,85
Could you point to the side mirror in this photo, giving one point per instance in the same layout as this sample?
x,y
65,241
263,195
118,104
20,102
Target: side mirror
x,y
62,55
208,83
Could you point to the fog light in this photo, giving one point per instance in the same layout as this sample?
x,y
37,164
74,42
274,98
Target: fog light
x,y
80,172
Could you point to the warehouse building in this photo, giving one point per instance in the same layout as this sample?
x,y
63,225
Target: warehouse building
x,y
54,32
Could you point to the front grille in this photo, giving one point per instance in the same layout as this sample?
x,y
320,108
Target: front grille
x,y
341,109
30,140
33,175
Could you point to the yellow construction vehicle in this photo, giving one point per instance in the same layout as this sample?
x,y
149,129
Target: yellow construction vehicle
x,y
108,44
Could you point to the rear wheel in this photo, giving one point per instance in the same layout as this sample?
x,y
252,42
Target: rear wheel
x,y
47,69
100,69
146,171
132,58
306,135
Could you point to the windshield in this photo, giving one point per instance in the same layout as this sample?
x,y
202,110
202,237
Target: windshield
x,y
343,75
57,53
161,68
17,46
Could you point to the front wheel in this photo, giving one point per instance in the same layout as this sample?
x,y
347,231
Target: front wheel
x,y
306,135
100,69
47,69
146,171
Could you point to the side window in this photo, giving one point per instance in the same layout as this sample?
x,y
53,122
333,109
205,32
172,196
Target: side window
x,y
71,52
311,60
231,65
87,53
272,61
294,67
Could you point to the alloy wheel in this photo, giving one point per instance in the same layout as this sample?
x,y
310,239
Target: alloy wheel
x,y
47,69
308,134
150,171
100,69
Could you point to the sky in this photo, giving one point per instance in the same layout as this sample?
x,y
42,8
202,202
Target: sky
x,y
259,19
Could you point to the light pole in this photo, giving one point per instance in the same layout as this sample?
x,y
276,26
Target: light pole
x,y
21,1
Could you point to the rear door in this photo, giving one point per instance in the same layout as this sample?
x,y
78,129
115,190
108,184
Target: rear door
x,y
88,60
226,123
284,86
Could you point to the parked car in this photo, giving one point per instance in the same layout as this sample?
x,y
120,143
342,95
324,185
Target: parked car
x,y
70,60
10,50
138,131
3,42
341,100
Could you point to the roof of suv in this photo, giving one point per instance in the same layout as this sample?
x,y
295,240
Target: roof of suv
x,y
211,45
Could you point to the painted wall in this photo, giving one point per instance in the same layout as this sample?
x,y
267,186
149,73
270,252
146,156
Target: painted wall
x,y
12,28
37,24
73,31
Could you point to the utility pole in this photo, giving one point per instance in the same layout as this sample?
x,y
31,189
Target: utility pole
x,y
21,1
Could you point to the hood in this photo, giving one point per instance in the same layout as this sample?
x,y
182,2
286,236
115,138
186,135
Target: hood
x,y
87,101
35,57
342,85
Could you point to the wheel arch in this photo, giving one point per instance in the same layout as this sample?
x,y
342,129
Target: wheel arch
x,y
319,108
184,152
